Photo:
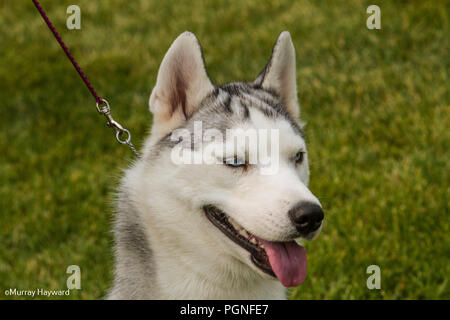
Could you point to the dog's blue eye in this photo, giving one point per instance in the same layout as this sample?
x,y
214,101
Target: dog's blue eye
x,y
299,157
235,162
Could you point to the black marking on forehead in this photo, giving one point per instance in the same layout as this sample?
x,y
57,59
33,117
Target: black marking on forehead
x,y
245,107
236,88
270,103
227,105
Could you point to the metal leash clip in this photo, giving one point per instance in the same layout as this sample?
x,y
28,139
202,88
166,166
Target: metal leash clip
x,y
106,111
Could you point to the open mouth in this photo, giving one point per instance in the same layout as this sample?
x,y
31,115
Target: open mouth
x,y
283,260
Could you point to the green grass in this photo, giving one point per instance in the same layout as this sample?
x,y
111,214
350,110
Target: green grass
x,y
376,103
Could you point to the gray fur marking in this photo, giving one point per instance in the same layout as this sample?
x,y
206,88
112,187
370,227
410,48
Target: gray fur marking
x,y
215,111
133,255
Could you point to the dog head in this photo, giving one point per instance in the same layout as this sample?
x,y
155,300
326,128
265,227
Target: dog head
x,y
251,215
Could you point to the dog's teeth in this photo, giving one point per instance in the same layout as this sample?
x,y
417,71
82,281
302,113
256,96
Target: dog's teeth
x,y
233,223
242,232
236,226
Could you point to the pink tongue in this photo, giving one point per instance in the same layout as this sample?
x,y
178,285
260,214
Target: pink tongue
x,y
288,261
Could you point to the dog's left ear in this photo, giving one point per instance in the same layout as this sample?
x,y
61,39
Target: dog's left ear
x,y
279,74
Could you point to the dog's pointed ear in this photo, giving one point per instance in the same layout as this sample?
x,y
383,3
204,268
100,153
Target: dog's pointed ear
x,y
182,83
279,74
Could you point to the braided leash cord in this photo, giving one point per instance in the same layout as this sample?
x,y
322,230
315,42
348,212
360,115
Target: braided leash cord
x,y
101,104
67,52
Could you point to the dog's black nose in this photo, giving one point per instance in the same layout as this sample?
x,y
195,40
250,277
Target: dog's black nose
x,y
306,216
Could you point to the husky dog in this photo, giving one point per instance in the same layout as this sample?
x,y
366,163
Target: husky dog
x,y
216,231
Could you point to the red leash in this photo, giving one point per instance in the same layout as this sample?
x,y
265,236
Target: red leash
x,y
101,104
67,52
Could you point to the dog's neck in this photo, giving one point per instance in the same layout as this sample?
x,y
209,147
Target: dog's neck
x,y
194,276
